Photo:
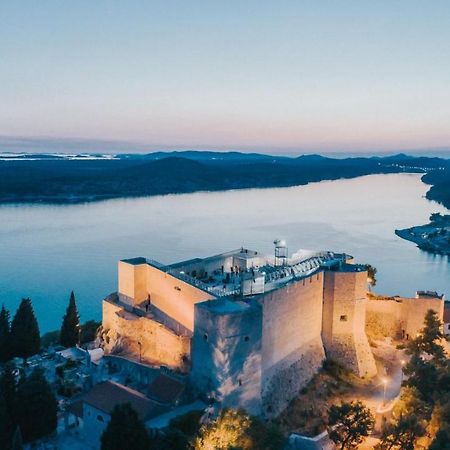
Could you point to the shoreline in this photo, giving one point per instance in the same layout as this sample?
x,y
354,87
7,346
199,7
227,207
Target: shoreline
x,y
433,237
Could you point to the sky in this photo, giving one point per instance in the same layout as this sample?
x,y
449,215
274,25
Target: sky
x,y
251,75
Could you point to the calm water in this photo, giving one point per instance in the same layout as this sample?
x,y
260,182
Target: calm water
x,y
46,251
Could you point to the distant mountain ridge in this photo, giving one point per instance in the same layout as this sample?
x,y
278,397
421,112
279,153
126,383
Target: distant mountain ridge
x,y
79,178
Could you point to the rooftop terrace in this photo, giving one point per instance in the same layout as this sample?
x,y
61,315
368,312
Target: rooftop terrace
x,y
245,272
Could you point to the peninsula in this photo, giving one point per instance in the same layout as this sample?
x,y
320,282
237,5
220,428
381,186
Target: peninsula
x,y
433,237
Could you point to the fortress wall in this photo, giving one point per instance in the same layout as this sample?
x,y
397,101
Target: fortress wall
x,y
226,356
132,280
292,350
415,310
159,344
402,317
343,331
173,296
385,318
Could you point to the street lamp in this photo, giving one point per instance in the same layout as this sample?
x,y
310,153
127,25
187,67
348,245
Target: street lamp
x,y
385,382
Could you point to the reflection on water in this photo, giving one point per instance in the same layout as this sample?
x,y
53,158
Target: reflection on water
x,y
46,251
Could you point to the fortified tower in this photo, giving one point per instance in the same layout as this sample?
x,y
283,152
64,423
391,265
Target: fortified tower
x,y
344,318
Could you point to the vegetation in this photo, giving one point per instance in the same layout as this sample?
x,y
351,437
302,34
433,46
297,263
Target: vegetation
x,y
371,274
17,442
401,433
35,407
125,431
70,329
349,424
6,424
88,333
5,335
423,412
235,429
307,414
50,338
27,408
181,432
25,337
185,172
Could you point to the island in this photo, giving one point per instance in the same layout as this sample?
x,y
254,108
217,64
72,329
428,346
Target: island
x,y
434,237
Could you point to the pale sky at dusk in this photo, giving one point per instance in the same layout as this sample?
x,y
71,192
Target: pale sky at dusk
x,y
275,76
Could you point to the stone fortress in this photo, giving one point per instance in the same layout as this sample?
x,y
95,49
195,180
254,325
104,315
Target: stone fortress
x,y
252,330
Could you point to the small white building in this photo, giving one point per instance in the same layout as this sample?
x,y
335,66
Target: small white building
x,y
97,405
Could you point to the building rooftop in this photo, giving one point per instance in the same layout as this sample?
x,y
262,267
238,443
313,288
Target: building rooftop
x,y
165,389
245,272
106,395
248,272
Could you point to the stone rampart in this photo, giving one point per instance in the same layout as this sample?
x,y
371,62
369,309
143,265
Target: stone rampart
x,y
343,330
399,317
292,350
158,344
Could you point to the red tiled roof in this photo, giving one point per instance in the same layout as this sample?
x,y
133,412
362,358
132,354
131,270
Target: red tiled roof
x,y
166,389
106,395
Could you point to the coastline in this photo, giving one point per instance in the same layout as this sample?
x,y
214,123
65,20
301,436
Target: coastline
x,y
433,237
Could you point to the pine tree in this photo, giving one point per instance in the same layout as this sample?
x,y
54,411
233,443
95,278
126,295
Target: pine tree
x,y
125,430
5,335
70,329
35,407
17,442
349,423
6,424
8,385
25,337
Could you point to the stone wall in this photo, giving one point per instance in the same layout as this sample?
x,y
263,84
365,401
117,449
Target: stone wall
x,y
287,378
226,353
343,331
400,317
159,345
292,350
174,297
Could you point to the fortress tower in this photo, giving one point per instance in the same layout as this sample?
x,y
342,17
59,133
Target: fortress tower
x,y
344,318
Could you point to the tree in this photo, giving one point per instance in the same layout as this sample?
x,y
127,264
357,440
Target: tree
x,y
170,439
441,441
5,338
6,424
25,337
70,329
35,407
229,430
349,423
265,436
17,441
125,430
8,385
428,363
89,331
371,274
429,340
401,434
